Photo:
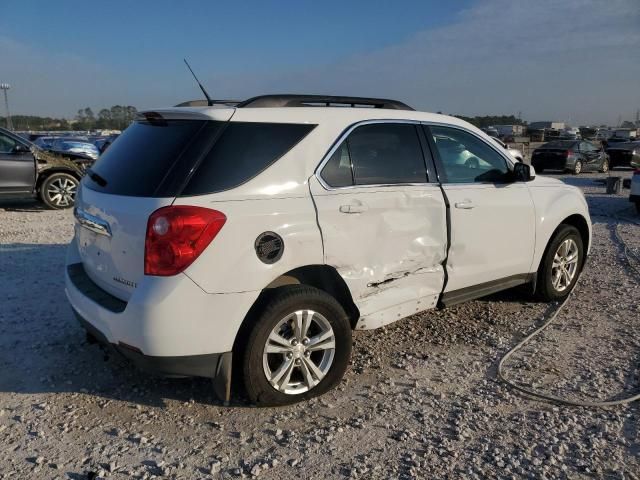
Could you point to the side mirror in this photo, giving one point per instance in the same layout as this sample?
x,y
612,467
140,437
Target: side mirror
x,y
19,148
523,172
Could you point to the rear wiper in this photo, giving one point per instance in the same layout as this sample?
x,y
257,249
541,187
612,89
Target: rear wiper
x,y
96,178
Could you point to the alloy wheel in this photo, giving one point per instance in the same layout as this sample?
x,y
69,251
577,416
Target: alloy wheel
x,y
299,352
565,265
62,191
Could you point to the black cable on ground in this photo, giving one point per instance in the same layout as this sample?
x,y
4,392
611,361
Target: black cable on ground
x,y
560,400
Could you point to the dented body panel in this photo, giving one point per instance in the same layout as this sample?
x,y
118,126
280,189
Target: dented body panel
x,y
391,252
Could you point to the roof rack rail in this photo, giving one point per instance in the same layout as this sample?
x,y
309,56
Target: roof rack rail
x,y
205,103
288,100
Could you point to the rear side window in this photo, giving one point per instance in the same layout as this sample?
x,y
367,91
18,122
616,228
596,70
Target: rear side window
x,y
243,150
381,153
140,159
337,172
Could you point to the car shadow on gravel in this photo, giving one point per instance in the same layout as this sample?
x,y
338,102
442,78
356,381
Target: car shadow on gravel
x,y
22,205
43,349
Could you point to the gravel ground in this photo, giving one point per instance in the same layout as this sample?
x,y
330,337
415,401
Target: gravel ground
x,y
421,399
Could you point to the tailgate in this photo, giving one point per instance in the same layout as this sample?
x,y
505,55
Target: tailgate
x,y
110,232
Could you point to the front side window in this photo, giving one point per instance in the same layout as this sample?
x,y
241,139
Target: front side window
x,y
377,154
464,158
7,144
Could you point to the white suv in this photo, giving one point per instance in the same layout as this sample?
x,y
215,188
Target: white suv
x,y
252,239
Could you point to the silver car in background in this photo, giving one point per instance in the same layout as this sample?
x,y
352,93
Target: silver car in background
x,y
75,145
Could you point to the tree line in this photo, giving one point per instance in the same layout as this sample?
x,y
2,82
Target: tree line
x,y
118,117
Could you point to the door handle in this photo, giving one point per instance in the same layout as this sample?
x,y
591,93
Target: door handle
x,y
353,208
465,204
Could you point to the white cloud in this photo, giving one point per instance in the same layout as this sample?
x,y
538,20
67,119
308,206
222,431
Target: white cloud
x,y
571,60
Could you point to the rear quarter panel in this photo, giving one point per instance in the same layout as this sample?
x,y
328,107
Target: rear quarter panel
x,y
230,264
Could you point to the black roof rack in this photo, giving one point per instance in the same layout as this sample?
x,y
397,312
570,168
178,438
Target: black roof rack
x,y
205,103
272,101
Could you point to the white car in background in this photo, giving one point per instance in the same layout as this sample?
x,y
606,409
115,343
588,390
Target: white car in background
x,y
250,241
514,152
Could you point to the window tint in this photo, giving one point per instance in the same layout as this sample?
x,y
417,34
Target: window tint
x,y
7,144
138,161
337,171
243,150
386,153
465,158
587,147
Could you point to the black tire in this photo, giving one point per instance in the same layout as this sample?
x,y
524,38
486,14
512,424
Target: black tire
x,y
545,288
577,167
58,190
282,303
638,207
604,168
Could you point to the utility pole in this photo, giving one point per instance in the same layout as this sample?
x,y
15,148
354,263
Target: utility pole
x,y
4,87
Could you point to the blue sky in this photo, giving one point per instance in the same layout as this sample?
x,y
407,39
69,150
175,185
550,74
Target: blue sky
x,y
469,57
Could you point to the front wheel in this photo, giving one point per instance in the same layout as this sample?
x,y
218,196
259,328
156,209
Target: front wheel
x,y
561,264
59,190
299,347
605,166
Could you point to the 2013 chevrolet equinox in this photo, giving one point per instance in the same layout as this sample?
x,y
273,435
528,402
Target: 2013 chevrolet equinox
x,y
260,235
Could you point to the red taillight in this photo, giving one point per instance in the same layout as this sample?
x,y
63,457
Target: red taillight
x,y
568,153
177,235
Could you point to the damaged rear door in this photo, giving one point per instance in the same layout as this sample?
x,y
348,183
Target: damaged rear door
x,y
383,220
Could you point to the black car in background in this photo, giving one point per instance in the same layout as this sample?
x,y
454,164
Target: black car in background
x,y
574,156
623,153
27,170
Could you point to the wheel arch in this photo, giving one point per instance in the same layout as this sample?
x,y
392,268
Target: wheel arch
x,y
322,277
46,173
580,223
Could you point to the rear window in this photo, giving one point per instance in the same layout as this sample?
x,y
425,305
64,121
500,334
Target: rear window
x,y
166,158
138,162
559,144
243,151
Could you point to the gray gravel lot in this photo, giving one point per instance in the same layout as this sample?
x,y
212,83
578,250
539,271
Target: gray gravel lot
x,y
421,399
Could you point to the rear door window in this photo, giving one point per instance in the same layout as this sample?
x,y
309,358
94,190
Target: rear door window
x,y
378,154
243,150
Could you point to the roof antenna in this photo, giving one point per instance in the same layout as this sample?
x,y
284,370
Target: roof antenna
x,y
209,101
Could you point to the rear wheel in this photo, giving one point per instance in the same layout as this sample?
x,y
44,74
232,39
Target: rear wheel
x,y
561,264
577,168
59,190
299,347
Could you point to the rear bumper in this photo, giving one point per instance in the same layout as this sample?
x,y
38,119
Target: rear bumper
x,y
215,365
163,317
542,163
